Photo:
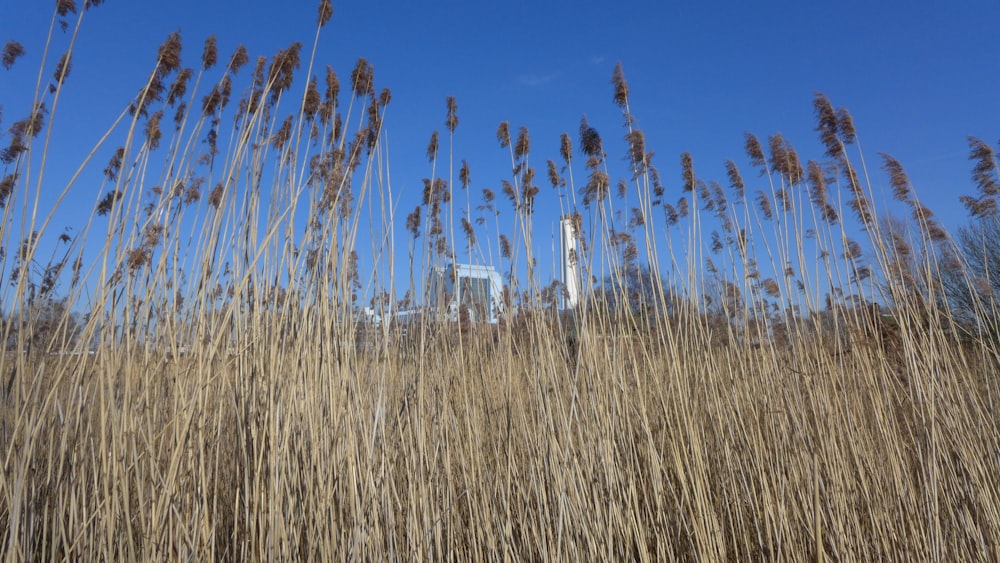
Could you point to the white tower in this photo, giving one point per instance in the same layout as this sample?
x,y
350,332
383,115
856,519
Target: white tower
x,y
569,263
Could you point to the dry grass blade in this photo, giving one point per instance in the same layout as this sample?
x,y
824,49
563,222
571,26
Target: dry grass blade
x,y
234,370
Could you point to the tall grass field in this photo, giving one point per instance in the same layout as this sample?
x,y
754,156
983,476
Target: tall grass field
x,y
233,354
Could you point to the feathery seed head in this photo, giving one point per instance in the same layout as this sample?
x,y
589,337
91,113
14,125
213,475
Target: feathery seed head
x,y
523,144
900,245
935,231
764,205
107,202
311,102
179,115
771,287
153,234
719,196
179,87
638,218
413,222
12,51
863,210
432,147
597,188
258,72
505,246
169,54
566,148
590,141
436,227
658,189
325,12
704,194
553,173
153,133
827,124
470,233
362,78
818,192
922,213
755,151
152,92
10,153
529,191
508,190
7,188
852,251
576,223
851,176
283,134
898,179
211,102
332,86
441,188
735,179
784,199
30,126
741,243
671,214
463,174
215,196
282,69
784,159
210,54
621,86
64,7
861,273
980,208
225,89
687,171
637,149
984,171
503,134
115,164
137,258
682,207
830,214
845,124
817,182
239,58
62,70
452,120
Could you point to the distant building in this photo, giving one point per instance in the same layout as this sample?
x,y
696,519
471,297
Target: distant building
x,y
479,289
569,267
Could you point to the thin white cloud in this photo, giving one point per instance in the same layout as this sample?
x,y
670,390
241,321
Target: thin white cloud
x,y
536,80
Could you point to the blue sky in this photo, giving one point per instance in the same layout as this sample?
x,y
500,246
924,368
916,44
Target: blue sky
x,y
918,76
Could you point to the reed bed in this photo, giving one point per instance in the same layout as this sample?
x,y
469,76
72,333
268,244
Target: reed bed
x,y
741,380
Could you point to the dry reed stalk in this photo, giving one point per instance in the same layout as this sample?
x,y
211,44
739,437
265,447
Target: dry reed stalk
x,y
238,407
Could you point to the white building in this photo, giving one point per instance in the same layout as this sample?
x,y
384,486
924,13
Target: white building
x,y
568,263
478,288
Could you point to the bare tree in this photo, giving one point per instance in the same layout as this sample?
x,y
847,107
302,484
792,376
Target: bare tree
x,y
972,279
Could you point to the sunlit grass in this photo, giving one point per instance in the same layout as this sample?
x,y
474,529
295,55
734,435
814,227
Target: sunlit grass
x,y
743,381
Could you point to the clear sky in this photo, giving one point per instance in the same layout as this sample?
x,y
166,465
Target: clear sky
x,y
918,76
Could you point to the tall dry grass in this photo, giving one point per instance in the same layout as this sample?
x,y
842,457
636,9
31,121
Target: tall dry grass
x,y
765,389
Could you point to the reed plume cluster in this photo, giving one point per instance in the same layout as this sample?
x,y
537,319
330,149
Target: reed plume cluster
x,y
762,368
